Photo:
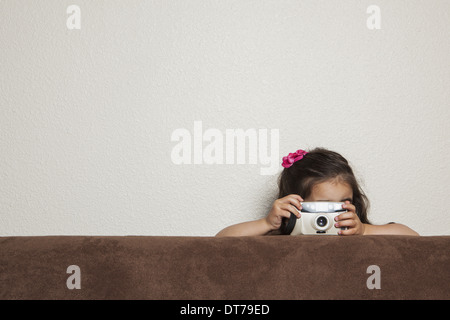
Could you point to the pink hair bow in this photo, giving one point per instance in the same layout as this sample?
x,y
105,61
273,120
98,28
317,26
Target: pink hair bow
x,y
293,157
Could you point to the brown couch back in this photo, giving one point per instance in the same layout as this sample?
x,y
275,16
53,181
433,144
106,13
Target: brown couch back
x,y
271,267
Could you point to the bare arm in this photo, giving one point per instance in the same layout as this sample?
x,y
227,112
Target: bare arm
x,y
393,228
250,228
281,208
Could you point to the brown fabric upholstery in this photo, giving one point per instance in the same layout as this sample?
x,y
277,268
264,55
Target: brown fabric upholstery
x,y
271,267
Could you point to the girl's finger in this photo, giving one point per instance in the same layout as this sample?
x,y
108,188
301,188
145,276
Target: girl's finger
x,y
293,200
344,216
348,232
294,196
350,223
289,208
349,207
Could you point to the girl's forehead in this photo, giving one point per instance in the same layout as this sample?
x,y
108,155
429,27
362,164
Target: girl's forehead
x,y
331,191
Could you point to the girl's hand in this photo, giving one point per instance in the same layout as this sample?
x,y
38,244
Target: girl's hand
x,y
350,220
282,208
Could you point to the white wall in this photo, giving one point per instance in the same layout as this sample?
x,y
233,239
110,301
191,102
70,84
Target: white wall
x,y
86,116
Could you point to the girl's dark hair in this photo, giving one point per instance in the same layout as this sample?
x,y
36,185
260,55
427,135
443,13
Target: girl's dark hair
x,y
321,165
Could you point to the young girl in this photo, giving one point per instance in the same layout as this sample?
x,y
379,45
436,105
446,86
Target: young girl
x,y
318,175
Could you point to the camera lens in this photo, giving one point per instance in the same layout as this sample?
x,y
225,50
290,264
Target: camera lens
x,y
322,221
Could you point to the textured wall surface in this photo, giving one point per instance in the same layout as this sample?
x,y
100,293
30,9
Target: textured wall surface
x,y
87,115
